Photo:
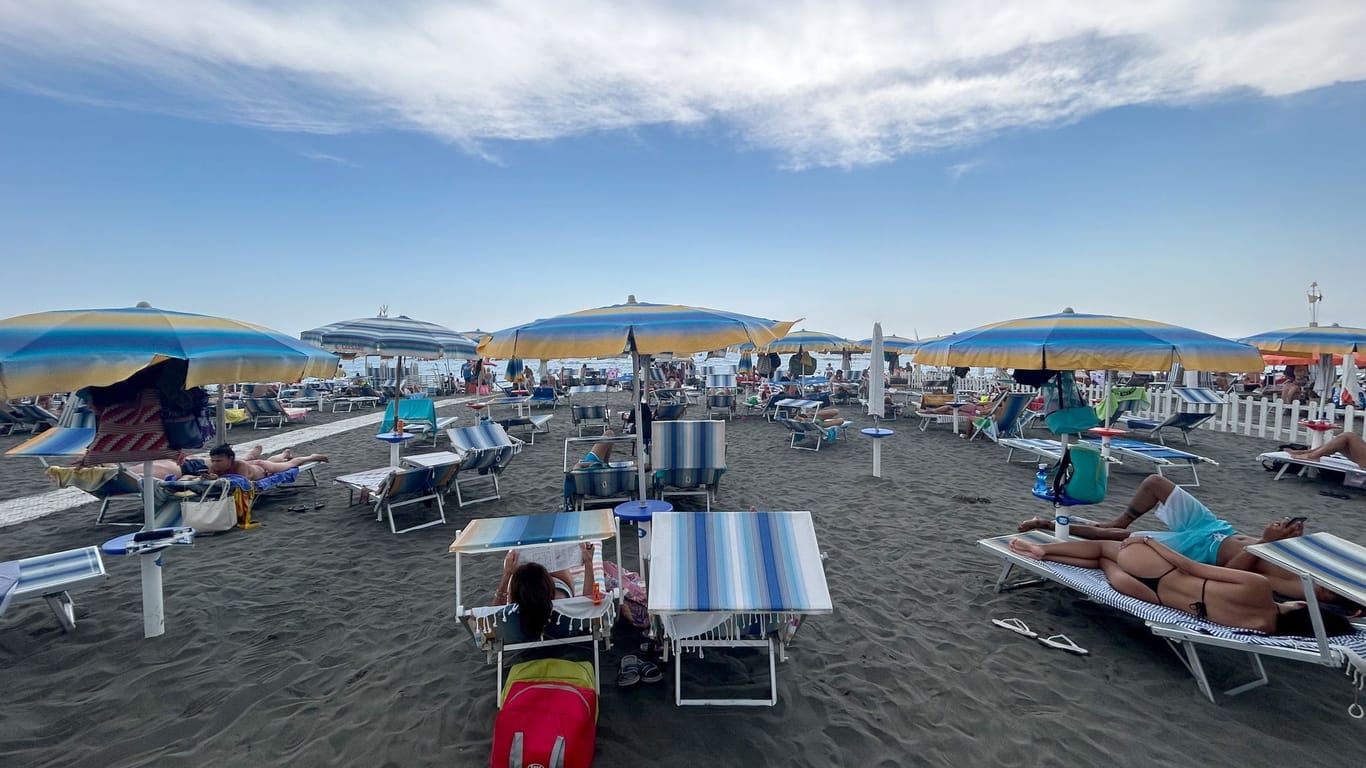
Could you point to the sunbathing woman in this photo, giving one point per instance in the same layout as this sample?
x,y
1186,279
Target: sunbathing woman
x,y
1146,570
1348,444
531,588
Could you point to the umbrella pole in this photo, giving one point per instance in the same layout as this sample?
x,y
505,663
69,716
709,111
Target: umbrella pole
x,y
153,609
221,415
640,427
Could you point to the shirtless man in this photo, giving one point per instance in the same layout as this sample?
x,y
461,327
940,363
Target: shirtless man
x,y
222,461
1196,533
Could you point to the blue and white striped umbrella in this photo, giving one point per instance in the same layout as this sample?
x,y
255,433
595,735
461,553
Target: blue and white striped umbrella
x,y
392,337
1310,341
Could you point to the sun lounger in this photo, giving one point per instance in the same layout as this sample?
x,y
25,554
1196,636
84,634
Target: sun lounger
x,y
539,538
688,458
270,411
419,418
389,488
32,416
1183,632
53,576
541,396
1353,473
1198,405
585,412
759,576
1011,421
808,435
1164,459
485,450
520,418
720,389
613,483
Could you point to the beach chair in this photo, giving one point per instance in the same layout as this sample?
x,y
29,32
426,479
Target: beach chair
x,y
1352,473
807,433
401,488
1319,559
668,404
762,604
1010,422
688,458
1164,459
485,450
52,577
1198,405
520,417
720,389
418,416
584,413
31,416
9,420
552,540
934,400
270,411
542,396
613,483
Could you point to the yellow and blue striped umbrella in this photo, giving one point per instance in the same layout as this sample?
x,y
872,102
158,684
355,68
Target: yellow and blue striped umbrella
x,y
813,341
645,329
1071,341
1310,340
65,350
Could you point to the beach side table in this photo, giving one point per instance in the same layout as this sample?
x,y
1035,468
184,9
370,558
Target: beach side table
x,y
480,410
148,545
878,434
640,512
1318,432
395,440
1106,434
434,459
956,406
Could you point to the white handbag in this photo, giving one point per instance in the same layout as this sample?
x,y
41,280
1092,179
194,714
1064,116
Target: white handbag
x,y
210,515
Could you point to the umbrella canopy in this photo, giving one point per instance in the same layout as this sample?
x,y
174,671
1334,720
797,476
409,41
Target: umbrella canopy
x,y
392,336
813,341
1284,360
65,350
896,344
1070,341
646,329
636,329
1310,341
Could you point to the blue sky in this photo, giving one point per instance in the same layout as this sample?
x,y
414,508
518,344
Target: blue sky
x,y
481,166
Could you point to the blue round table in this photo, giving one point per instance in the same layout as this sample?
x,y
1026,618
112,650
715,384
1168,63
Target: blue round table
x,y
639,512
878,434
394,439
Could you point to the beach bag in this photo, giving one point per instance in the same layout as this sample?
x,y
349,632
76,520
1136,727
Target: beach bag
x,y
1081,475
1072,421
211,515
549,716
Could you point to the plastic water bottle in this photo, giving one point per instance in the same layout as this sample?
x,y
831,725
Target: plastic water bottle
x,y
1041,481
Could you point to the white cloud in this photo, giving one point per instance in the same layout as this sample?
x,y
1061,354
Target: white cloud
x,y
959,170
324,157
818,83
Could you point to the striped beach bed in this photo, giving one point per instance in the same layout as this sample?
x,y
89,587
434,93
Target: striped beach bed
x,y
734,579
1183,631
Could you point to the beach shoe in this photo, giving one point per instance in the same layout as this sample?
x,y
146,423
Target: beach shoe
x,y
1017,626
629,674
1063,643
650,672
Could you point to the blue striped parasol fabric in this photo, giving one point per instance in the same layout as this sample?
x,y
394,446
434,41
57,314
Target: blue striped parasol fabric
x,y
65,350
813,341
392,337
1310,340
1072,341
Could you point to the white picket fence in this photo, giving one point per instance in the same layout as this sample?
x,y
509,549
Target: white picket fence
x,y
1241,414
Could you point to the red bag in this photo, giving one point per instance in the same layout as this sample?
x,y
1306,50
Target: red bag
x,y
546,724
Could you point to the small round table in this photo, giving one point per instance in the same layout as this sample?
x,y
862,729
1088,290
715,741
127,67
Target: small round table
x,y
1106,434
480,410
1318,431
394,439
149,545
639,513
956,406
878,434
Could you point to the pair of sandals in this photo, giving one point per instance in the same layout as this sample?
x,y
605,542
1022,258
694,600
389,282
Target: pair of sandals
x,y
636,670
304,507
1061,642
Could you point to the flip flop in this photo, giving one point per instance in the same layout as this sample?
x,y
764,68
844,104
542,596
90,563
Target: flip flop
x,y
1063,643
629,674
1017,626
650,672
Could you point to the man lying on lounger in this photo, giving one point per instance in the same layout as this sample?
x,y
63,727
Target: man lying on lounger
x,y
1196,533
222,461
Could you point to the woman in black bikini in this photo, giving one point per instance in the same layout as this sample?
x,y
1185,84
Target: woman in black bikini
x,y
1144,569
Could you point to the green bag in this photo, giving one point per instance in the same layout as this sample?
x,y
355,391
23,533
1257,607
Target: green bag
x,y
1072,421
1083,474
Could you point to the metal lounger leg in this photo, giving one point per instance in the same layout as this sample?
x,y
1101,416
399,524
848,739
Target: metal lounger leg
x,y
63,608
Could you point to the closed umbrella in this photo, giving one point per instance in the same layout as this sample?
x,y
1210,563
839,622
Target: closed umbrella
x,y
70,349
875,376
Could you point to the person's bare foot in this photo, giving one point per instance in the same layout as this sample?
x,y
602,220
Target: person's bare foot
x,y
1036,524
254,453
1022,547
